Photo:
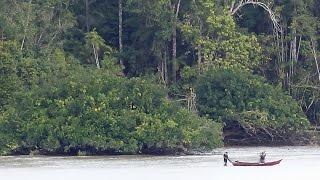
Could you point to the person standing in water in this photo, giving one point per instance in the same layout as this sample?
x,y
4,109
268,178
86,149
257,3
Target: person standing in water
x,y
225,158
263,157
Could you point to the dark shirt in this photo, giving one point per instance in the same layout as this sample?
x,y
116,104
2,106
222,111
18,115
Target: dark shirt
x,y
262,157
225,157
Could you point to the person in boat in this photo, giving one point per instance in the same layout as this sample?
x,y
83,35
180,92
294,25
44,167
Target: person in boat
x,y
225,158
263,157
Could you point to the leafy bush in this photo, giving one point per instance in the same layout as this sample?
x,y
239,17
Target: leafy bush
x,y
233,96
92,112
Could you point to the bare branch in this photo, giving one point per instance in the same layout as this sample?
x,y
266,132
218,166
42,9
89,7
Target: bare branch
x,y
26,26
314,52
306,86
237,6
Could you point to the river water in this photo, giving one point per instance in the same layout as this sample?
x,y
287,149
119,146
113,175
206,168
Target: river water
x,y
298,163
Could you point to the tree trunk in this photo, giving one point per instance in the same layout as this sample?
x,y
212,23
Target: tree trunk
x,y
174,53
87,15
2,35
314,52
284,57
299,46
161,70
26,26
120,30
96,56
176,9
199,47
293,51
165,66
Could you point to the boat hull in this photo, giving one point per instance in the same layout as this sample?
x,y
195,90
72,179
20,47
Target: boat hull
x,y
238,163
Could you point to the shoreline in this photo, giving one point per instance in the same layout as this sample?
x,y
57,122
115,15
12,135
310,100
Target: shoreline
x,y
190,153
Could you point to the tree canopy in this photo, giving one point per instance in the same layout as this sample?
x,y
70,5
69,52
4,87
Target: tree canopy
x,y
155,76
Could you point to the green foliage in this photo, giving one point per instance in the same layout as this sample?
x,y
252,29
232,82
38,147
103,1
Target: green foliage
x,y
8,69
53,101
38,26
218,39
225,95
96,112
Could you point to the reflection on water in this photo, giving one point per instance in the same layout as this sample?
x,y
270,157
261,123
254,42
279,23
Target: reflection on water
x,y
298,163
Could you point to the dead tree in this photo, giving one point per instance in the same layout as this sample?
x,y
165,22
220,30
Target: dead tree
x,y
190,98
236,6
278,31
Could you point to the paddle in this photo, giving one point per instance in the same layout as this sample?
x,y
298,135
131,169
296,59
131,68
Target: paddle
x,y
230,160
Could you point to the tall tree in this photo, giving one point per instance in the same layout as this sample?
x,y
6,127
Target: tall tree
x,y
98,46
120,30
87,15
175,8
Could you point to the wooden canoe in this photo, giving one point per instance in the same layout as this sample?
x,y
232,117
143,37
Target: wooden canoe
x,y
272,163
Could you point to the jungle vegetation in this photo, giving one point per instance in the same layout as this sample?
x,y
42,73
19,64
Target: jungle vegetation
x,y
156,76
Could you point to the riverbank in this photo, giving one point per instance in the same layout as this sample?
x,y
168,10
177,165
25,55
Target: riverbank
x,y
313,141
310,137
304,140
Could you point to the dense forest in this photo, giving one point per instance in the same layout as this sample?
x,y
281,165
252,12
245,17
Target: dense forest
x,y
81,77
